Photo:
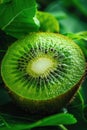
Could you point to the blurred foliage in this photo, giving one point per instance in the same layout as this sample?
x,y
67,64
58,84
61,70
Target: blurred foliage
x,y
69,18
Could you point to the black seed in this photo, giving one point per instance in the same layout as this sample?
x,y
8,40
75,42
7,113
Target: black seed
x,y
51,49
46,51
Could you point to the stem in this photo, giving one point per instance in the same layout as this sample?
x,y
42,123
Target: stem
x,y
62,127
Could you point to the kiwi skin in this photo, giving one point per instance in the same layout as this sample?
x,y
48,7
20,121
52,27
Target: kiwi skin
x,y
46,107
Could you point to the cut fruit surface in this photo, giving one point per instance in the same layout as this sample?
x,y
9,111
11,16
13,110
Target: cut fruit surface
x,y
42,66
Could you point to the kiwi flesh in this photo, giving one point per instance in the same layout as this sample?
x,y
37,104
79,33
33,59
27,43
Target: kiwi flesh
x,y
48,23
43,71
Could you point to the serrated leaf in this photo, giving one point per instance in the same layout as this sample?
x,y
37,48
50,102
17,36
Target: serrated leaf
x,y
17,17
57,119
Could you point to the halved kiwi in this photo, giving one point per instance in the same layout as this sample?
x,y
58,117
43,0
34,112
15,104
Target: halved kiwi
x,y
43,71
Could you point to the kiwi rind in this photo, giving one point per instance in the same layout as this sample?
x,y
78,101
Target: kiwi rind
x,y
48,23
47,107
43,106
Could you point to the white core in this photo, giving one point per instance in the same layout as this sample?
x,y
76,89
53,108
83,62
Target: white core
x,y
41,65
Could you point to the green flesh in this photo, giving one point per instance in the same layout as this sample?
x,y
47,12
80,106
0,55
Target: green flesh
x,y
42,66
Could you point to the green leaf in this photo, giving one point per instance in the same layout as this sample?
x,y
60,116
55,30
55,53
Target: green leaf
x,y
17,17
81,5
78,36
57,119
82,35
54,120
48,23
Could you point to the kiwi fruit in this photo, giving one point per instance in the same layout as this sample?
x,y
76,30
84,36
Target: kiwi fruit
x,y
43,71
48,23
